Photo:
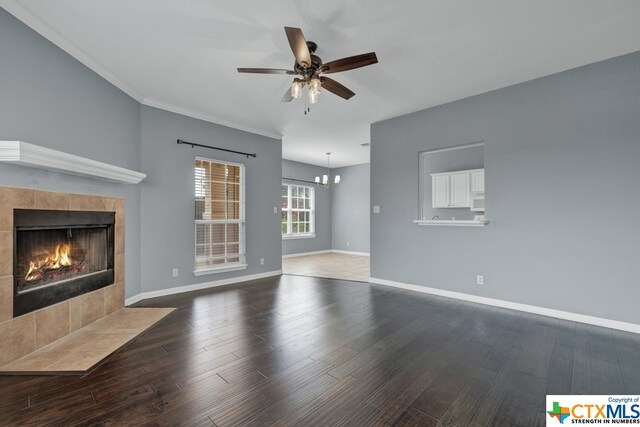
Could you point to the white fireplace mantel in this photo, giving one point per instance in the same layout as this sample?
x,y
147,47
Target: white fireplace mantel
x,y
35,156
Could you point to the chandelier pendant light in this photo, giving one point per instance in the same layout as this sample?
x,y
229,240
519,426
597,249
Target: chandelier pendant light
x,y
325,178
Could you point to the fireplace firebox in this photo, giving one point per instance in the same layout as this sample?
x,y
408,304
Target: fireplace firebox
x,y
59,255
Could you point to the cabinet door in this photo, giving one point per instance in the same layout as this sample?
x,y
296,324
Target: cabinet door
x,y
440,191
477,182
460,194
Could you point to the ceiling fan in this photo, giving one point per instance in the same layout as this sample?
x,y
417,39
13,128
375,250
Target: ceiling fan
x,y
310,69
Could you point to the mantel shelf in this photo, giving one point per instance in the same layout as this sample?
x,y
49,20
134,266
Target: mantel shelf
x,y
452,222
35,156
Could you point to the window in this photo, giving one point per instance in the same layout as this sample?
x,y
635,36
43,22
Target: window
x,y
298,211
219,216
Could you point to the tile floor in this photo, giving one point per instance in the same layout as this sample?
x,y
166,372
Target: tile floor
x,y
330,265
78,352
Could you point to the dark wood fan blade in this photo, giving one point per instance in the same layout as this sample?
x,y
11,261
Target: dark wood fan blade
x,y
265,71
337,88
349,63
287,97
298,46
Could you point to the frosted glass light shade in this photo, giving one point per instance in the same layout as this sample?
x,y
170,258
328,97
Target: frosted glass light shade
x,y
296,89
312,97
314,85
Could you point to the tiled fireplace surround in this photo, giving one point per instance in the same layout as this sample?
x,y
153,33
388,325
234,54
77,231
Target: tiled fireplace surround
x,y
24,334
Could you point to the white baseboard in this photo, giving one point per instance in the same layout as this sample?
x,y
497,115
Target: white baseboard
x,y
581,318
305,254
336,251
328,251
180,289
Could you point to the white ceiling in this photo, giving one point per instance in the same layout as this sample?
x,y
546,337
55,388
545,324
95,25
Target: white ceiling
x,y
182,55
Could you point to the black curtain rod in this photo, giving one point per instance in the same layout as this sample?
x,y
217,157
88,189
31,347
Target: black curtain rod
x,y
299,180
193,144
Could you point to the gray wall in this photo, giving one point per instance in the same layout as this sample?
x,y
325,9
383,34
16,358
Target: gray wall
x,y
562,157
167,196
464,158
350,209
50,99
322,241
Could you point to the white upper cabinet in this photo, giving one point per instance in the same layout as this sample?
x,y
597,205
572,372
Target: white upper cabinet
x,y
460,195
477,181
450,190
454,189
440,191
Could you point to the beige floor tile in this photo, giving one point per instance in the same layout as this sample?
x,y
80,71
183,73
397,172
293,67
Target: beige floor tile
x,y
72,342
6,298
128,320
331,265
51,200
52,323
114,298
81,202
84,348
10,199
6,253
74,314
107,342
77,361
92,307
18,337
37,361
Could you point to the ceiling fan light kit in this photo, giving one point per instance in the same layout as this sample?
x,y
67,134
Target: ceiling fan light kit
x,y
310,69
296,88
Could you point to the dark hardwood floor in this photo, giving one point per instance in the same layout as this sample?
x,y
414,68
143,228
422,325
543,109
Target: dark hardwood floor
x,y
295,350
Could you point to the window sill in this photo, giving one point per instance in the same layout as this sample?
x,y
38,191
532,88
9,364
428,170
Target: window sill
x,y
455,223
299,236
214,270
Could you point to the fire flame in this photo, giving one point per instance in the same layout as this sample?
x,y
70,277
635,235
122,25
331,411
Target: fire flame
x,y
60,258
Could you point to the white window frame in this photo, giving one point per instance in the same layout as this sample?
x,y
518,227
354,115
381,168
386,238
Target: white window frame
x,y
227,266
289,235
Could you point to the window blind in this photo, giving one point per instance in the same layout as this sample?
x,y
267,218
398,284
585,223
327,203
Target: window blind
x,y
219,214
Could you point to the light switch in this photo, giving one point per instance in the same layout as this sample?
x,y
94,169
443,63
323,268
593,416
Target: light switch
x,y
275,209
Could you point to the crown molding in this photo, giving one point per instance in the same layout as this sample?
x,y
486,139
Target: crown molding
x,y
201,116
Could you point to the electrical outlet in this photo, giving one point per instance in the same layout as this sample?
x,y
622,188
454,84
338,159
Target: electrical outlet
x,y
275,209
347,244
175,272
480,280
376,209
261,261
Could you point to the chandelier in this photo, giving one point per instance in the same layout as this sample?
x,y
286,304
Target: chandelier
x,y
325,178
